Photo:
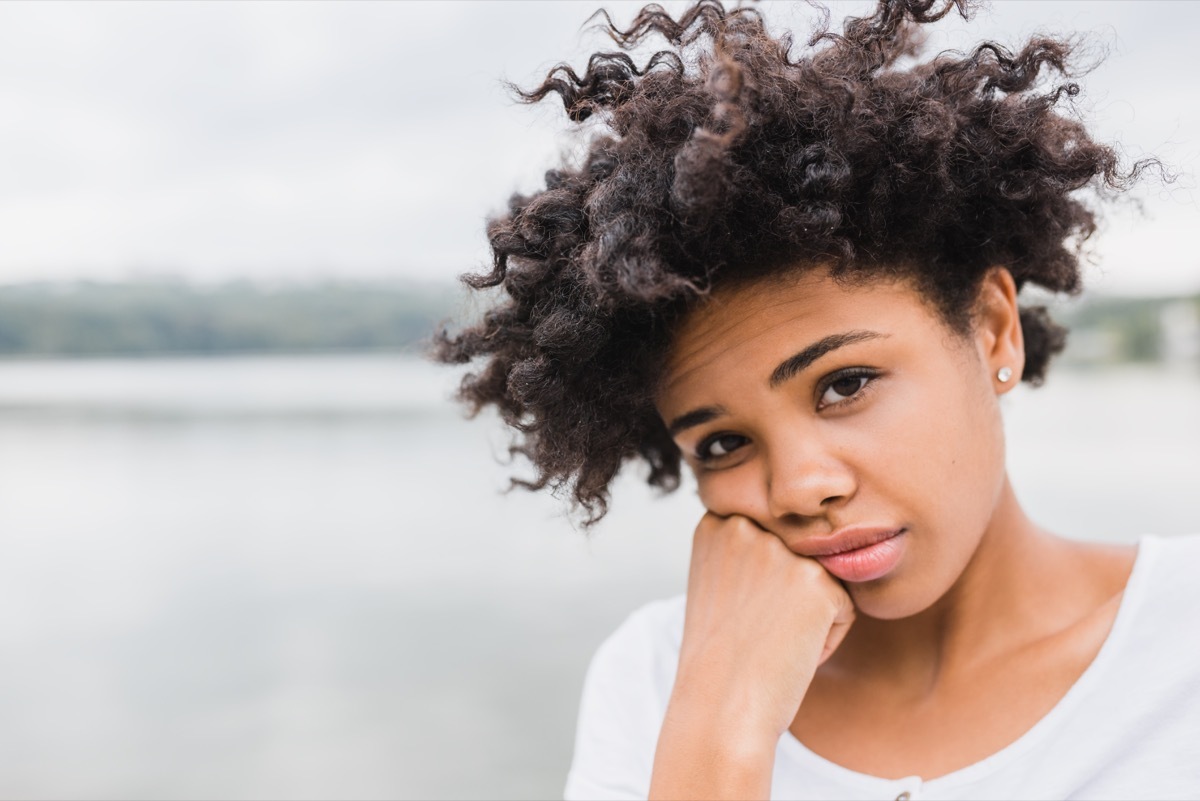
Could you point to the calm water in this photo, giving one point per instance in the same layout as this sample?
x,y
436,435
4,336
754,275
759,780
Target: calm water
x,y
297,577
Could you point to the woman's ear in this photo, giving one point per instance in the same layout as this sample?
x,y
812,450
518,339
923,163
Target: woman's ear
x,y
998,333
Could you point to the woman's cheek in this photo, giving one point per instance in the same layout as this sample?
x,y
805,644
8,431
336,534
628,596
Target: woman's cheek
x,y
734,491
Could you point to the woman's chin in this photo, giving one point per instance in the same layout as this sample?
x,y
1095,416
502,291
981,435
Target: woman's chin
x,y
892,597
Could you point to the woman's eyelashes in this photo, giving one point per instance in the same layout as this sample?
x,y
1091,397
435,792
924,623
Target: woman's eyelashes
x,y
838,389
844,386
714,447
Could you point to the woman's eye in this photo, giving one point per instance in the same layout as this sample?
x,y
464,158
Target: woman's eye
x,y
719,445
841,388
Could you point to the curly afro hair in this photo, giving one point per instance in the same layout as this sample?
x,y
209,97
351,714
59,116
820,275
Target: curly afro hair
x,y
727,156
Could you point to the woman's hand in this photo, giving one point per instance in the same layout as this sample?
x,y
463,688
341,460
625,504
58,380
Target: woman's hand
x,y
759,621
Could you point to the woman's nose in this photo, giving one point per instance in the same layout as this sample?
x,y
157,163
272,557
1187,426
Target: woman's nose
x,y
807,479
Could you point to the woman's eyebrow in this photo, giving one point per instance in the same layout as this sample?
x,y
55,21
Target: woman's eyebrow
x,y
783,372
804,358
694,418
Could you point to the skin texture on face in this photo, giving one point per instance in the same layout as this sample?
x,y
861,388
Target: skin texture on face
x,y
809,405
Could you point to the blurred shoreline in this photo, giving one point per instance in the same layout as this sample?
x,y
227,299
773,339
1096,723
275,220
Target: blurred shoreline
x,y
165,318
176,318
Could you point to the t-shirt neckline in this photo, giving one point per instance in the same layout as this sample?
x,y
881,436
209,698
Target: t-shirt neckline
x,y
1130,599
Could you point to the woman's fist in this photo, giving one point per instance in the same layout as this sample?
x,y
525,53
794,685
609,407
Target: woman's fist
x,y
759,621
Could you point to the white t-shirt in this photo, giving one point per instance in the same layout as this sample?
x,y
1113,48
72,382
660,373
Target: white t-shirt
x,y
1128,728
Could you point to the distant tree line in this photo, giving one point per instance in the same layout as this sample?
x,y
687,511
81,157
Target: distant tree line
x,y
173,317
168,317
1132,329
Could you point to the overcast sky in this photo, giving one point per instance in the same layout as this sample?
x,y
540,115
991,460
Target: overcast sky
x,y
370,139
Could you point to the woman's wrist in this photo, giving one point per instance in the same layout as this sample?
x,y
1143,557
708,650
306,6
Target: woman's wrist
x,y
714,745
706,753
736,710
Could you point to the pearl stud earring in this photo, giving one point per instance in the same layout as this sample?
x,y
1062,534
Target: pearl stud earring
x,y
1004,373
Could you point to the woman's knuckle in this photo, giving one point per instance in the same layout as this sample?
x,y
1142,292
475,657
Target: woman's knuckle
x,y
810,569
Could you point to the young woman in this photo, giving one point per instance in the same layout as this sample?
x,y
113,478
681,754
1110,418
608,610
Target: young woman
x,y
797,271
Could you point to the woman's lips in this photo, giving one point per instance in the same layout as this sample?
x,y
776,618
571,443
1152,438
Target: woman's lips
x,y
867,563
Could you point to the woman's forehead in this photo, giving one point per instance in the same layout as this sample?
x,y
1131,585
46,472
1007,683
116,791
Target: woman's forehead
x,y
753,322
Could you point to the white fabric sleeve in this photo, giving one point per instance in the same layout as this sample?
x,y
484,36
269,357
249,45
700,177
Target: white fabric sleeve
x,y
624,697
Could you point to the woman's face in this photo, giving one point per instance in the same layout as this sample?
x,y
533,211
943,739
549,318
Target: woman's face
x,y
812,407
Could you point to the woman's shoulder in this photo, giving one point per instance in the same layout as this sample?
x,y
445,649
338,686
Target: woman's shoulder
x,y
660,619
1167,569
1173,543
647,642
625,696
1156,623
